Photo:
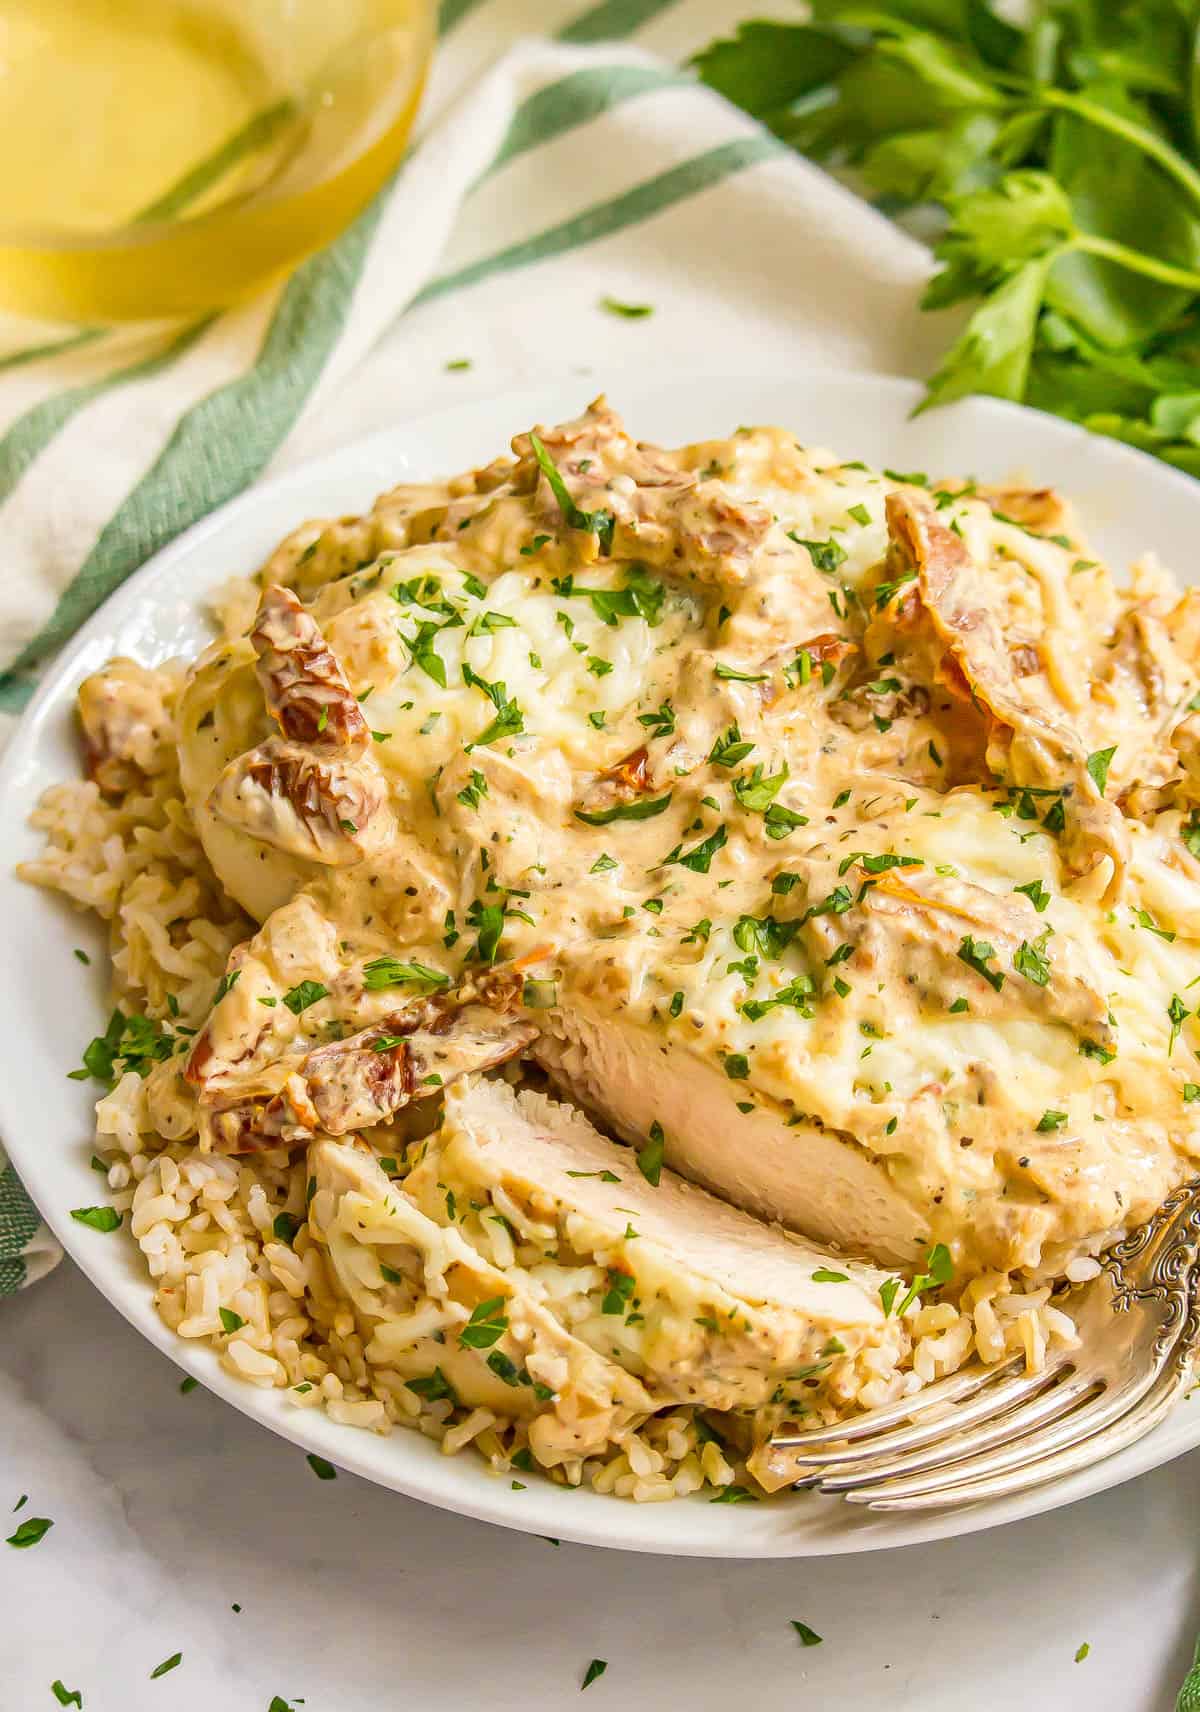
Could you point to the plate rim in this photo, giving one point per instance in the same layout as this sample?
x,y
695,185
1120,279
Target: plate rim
x,y
617,1525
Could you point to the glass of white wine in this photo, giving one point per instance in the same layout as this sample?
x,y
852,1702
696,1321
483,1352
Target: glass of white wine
x,y
163,157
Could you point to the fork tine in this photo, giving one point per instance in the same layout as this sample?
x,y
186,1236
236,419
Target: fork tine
x,y
1053,1401
1109,1410
989,1400
1070,1460
952,1390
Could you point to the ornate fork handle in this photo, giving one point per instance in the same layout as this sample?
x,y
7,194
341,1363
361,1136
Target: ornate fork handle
x,y
1155,1264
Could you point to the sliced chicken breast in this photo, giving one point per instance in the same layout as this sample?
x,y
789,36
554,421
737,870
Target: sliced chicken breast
x,y
704,1303
813,1180
454,1327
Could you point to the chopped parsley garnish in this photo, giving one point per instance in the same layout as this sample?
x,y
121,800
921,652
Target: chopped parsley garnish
x,y
885,591
473,793
939,1270
1098,765
808,1637
486,1326
187,1385
599,668
976,954
284,1226
1032,962
597,1666
628,311
1093,1049
859,513
734,1495
128,1043
1178,1013
383,972
598,523
643,808
509,720
737,1066
421,646
1191,1091
1037,894
837,903
166,1665
65,1696
602,864
230,1321
764,935
879,864
756,790
661,723
1146,920
322,1469
825,555
650,1158
699,857
1050,1121
729,749
488,922
97,1218
433,1388
721,670
33,1529
823,1275
620,1290
306,993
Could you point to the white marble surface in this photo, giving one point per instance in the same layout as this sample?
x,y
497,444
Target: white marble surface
x,y
168,1509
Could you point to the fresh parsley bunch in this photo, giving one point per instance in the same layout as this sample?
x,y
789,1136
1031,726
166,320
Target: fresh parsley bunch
x,y
1063,150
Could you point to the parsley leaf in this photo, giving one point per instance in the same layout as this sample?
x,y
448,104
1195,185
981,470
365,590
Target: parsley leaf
x,y
643,808
976,954
1098,765
598,523
384,972
650,1159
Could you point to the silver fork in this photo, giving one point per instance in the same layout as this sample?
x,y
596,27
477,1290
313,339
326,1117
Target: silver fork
x,y
987,1432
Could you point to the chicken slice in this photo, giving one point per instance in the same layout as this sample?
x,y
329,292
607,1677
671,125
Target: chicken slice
x,y
705,1304
450,1325
767,1161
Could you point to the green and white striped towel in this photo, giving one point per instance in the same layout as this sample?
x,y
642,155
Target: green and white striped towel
x,y
547,174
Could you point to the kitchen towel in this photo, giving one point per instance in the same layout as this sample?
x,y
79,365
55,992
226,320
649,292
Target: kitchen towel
x,y
547,174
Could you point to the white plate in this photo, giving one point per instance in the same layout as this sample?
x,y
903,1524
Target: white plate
x,y
1129,504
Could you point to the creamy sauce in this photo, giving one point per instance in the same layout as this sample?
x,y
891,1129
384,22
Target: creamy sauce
x,y
796,769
